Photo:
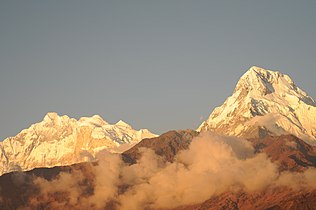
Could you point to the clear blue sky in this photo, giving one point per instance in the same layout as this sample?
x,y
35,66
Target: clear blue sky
x,y
157,64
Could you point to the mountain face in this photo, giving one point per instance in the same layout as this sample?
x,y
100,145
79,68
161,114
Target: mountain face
x,y
18,190
276,199
265,102
60,140
166,145
290,152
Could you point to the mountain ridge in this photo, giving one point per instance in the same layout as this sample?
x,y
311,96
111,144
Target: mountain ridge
x,y
61,140
264,103
260,97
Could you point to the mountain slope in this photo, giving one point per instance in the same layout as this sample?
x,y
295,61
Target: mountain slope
x,y
60,140
166,145
290,152
271,199
19,190
265,102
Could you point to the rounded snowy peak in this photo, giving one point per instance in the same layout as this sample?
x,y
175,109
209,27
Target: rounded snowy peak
x,y
95,119
123,124
53,117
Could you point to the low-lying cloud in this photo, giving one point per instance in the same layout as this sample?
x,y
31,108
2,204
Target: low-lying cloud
x,y
212,165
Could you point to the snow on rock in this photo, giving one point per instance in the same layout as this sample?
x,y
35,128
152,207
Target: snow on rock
x,y
60,140
265,102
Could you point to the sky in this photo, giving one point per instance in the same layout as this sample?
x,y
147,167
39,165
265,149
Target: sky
x,y
160,65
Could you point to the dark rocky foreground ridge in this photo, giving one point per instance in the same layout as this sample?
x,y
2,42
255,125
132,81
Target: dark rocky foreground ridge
x,y
277,199
166,145
18,190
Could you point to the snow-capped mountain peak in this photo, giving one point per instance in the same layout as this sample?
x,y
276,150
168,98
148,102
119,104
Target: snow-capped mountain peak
x,y
95,120
61,140
53,117
261,82
265,102
123,124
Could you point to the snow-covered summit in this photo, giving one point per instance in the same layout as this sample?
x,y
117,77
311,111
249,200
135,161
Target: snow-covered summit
x,y
61,140
260,82
123,124
95,120
265,102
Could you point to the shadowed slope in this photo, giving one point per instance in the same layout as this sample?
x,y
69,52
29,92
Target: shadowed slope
x,y
166,145
291,152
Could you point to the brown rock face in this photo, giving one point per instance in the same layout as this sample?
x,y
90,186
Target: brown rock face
x,y
166,145
17,188
289,151
276,199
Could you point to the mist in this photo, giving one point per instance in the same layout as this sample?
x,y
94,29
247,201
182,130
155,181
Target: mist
x,y
212,165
